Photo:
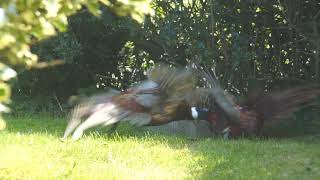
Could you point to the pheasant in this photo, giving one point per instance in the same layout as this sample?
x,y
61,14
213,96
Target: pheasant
x,y
167,95
233,119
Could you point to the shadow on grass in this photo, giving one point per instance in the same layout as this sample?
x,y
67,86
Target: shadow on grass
x,y
56,125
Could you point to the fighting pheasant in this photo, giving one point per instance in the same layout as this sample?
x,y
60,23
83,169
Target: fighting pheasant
x,y
233,119
166,96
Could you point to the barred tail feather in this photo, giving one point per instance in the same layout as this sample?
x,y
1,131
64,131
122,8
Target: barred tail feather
x,y
282,104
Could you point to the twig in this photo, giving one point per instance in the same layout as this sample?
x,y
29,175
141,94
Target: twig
x,y
56,98
42,65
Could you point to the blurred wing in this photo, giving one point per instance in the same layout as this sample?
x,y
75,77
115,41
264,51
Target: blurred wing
x,y
172,81
218,93
87,107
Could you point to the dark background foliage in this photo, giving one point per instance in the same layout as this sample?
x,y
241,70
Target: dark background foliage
x,y
249,43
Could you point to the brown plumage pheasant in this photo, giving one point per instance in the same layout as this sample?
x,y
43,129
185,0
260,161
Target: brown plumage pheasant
x,y
166,96
234,119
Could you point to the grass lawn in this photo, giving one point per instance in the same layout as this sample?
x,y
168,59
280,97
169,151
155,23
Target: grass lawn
x,y
30,149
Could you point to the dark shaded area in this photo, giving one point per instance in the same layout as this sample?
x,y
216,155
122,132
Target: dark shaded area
x,y
306,126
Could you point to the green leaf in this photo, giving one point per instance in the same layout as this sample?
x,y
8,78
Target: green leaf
x,y
6,39
93,7
6,72
258,9
5,92
61,23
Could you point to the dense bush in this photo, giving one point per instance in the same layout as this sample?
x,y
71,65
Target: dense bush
x,y
270,44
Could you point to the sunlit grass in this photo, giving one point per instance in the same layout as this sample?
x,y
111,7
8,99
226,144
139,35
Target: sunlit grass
x,y
30,149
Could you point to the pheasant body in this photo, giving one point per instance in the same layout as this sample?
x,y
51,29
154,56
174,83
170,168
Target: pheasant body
x,y
160,99
234,119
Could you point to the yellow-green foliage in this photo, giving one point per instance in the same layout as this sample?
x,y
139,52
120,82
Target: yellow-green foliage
x,y
24,22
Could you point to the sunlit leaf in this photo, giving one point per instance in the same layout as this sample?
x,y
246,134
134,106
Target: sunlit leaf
x,y
6,39
258,9
4,109
287,61
61,23
93,7
5,92
105,2
28,16
6,72
47,28
52,8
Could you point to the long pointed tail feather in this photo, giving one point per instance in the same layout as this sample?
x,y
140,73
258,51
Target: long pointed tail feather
x,y
278,105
